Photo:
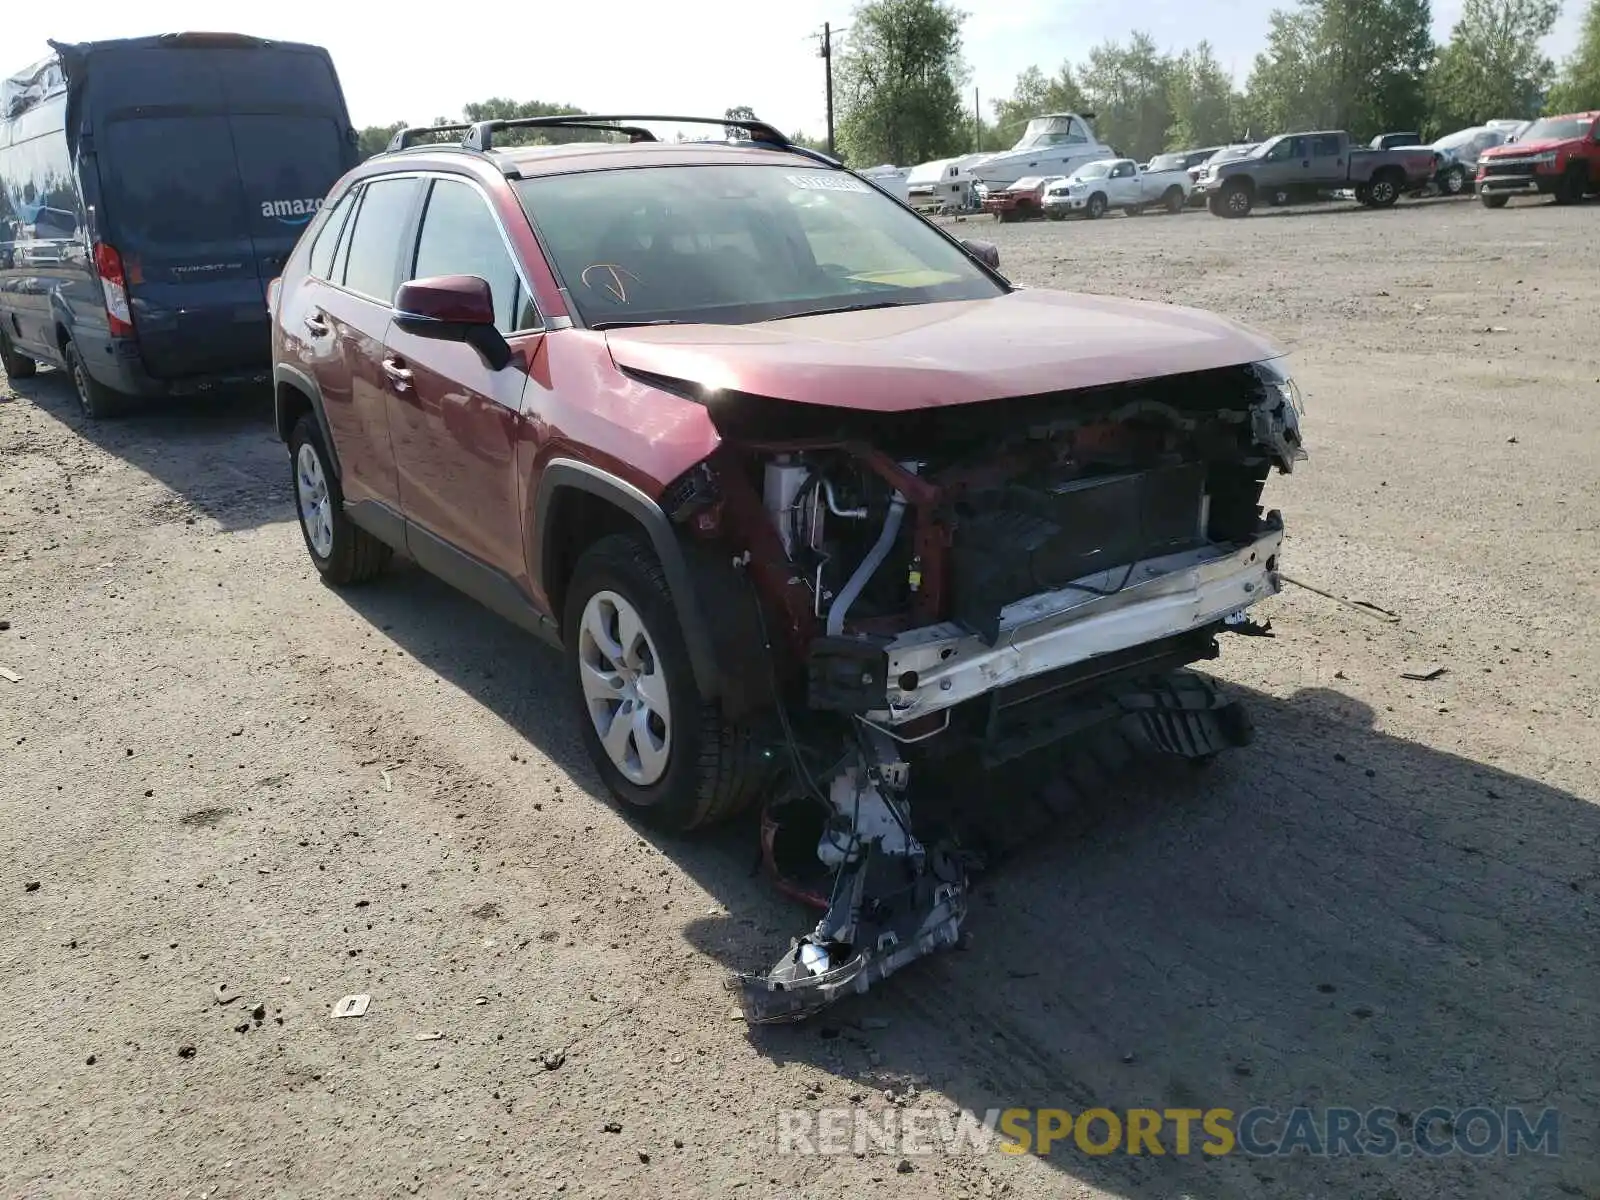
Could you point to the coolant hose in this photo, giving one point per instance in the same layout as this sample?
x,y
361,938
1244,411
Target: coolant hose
x,y
869,566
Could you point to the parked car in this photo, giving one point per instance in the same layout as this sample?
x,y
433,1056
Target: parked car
x,y
1022,200
1459,152
1115,183
789,474
1181,160
1197,198
1388,141
1296,167
151,187
1555,156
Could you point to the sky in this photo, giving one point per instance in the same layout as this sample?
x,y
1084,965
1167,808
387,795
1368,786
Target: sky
x,y
692,57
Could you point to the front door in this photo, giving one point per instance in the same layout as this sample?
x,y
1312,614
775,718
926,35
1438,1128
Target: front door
x,y
454,420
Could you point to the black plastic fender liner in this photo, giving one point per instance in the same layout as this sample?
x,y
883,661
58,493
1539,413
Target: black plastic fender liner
x,y
562,473
283,374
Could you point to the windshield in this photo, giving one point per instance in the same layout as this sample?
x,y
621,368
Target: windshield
x,y
1095,170
1556,129
1455,141
1232,154
1166,162
734,244
1058,130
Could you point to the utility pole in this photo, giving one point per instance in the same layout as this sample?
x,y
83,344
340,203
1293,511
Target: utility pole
x,y
977,123
827,67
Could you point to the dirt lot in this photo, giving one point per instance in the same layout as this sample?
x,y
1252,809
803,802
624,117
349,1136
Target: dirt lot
x,y
219,772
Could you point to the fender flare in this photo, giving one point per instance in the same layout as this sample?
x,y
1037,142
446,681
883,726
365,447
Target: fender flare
x,y
563,473
283,373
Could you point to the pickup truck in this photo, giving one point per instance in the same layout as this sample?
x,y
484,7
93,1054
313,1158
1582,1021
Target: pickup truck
x,y
1116,183
1555,156
1295,167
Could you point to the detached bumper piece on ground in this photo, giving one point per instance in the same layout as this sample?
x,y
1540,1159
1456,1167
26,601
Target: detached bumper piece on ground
x,y
892,899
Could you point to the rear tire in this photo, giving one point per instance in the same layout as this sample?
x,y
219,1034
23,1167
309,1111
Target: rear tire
x,y
341,550
1383,191
679,766
95,399
15,365
1490,200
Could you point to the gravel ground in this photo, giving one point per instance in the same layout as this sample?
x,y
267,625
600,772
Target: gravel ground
x,y
221,774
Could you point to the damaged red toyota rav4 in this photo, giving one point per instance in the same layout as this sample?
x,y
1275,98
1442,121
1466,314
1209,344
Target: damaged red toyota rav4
x,y
809,495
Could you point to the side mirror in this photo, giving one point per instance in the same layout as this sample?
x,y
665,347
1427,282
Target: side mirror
x,y
985,252
453,308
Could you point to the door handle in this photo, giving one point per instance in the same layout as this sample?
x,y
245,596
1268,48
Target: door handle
x,y
316,326
399,374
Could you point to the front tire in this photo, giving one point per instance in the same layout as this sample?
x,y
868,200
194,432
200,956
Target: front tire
x,y
1175,201
1131,210
1573,185
341,550
95,399
16,366
663,751
1236,201
1096,208
1454,182
1490,200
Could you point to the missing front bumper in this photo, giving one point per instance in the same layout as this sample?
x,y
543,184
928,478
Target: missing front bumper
x,y
936,668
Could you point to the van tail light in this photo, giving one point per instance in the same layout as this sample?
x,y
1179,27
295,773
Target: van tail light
x,y
114,283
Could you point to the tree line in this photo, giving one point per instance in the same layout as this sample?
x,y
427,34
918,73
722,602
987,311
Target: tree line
x,y
1369,66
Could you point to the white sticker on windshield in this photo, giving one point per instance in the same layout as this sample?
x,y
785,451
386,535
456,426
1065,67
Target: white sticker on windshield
x,y
827,181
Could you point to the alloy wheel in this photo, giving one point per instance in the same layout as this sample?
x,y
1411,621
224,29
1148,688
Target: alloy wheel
x,y
625,688
316,507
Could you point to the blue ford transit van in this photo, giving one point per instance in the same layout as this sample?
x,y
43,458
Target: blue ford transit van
x,y
150,189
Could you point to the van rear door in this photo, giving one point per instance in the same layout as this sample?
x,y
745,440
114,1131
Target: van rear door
x,y
212,159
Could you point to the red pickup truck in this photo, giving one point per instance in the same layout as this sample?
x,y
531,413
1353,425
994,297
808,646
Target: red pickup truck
x,y
1022,200
1555,156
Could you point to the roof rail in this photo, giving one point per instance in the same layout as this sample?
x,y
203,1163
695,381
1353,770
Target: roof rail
x,y
481,135
412,136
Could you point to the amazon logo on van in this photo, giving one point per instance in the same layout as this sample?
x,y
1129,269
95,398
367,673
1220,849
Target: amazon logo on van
x,y
291,212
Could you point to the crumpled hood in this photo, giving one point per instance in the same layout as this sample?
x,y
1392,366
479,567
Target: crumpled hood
x,y
931,355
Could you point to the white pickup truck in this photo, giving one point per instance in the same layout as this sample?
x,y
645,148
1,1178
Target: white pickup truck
x,y
1116,183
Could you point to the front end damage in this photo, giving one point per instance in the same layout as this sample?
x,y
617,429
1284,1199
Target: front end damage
x,y
987,580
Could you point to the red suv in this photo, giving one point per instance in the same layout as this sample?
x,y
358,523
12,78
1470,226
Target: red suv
x,y
808,494
1554,156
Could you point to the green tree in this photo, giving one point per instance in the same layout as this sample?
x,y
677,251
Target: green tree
x,y
1204,106
374,139
498,108
898,82
1034,95
1343,64
739,112
1492,66
1579,87
1127,88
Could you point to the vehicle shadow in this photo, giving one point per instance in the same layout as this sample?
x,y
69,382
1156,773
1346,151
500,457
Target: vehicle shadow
x,y
217,452
1333,917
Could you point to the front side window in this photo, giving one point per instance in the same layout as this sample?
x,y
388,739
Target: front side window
x,y
372,256
460,236
731,244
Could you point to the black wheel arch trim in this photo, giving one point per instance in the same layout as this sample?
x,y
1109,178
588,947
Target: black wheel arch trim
x,y
563,473
283,373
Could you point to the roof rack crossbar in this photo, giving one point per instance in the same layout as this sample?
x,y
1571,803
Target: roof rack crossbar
x,y
404,139
481,135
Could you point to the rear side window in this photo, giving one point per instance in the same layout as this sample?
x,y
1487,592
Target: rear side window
x,y
176,181
321,264
460,236
1327,146
372,266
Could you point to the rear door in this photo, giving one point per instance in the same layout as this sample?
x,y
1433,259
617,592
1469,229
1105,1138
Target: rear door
x,y
175,210
1329,163
211,160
